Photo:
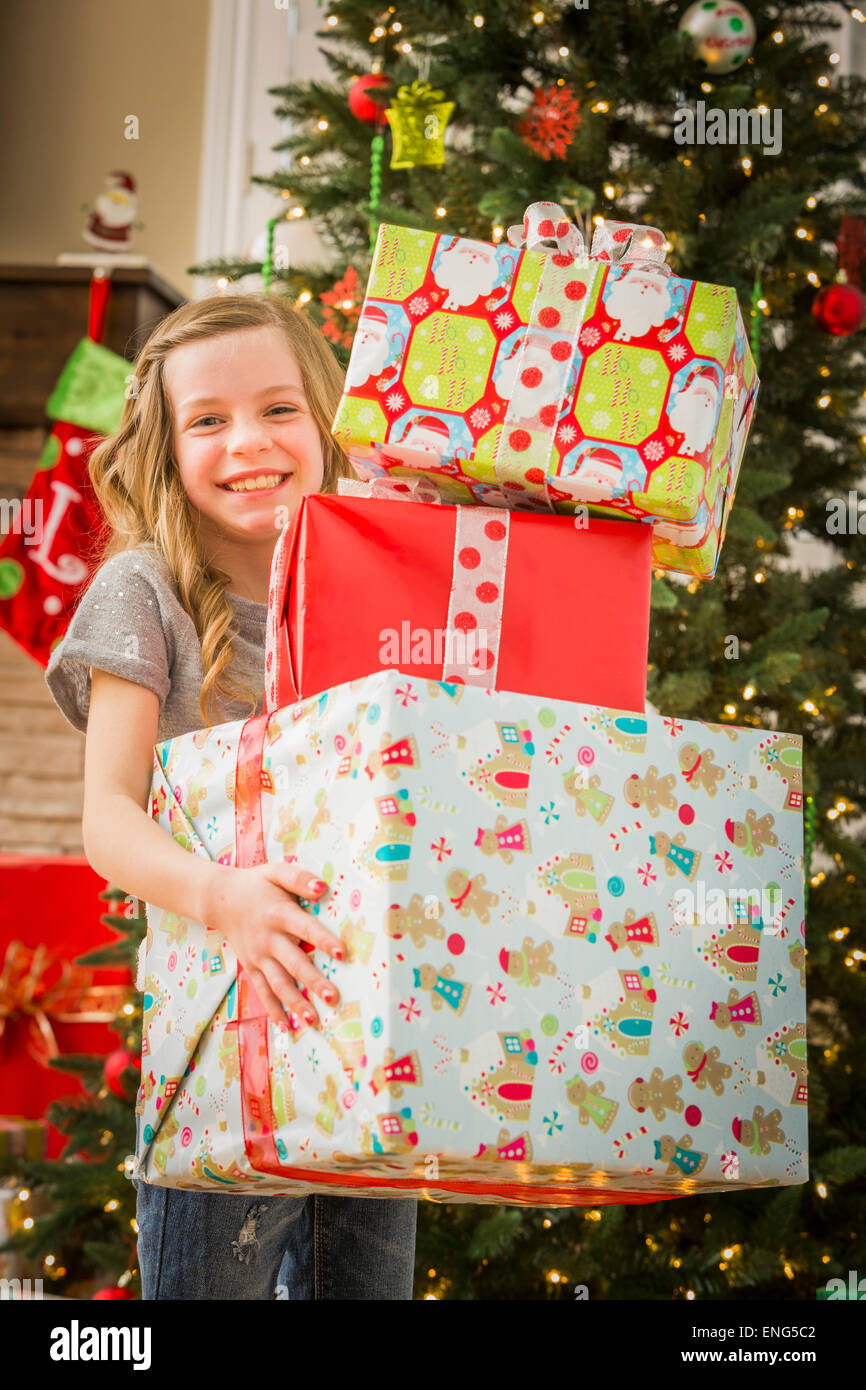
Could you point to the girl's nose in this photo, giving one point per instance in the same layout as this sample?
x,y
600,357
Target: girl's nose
x,y
247,435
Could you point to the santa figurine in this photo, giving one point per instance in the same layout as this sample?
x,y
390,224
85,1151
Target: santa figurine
x,y
530,378
371,346
114,214
694,411
640,300
466,270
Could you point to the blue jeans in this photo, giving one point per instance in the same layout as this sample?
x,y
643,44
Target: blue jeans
x,y
198,1245
213,1245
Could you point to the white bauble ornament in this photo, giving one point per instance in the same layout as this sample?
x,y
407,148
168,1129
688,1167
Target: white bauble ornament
x,y
722,31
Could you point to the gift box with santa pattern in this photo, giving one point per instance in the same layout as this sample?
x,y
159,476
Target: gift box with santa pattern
x,y
531,374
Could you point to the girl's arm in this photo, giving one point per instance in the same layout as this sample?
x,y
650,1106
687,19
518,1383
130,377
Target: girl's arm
x,y
252,908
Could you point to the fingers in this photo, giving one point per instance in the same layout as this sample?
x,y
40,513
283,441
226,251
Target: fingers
x,y
300,923
297,965
296,880
277,1005
283,966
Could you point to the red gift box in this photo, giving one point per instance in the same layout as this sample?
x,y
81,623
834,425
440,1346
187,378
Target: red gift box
x,y
50,913
546,605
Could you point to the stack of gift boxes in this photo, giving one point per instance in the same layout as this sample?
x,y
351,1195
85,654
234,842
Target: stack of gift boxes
x,y
574,930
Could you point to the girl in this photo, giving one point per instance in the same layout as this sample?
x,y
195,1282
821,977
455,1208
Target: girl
x,y
226,427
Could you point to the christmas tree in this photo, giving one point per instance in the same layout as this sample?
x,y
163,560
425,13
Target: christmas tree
x,y
455,117
81,1231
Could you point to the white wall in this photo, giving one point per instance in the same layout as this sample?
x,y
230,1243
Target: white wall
x,y
70,74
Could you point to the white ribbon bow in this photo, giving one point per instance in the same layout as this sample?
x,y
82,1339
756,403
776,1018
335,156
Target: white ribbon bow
x,y
619,243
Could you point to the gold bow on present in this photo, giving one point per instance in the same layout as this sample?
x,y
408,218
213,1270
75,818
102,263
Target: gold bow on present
x,y
27,993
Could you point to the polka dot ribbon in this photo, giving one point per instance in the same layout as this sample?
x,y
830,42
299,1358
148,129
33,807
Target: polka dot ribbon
x,y
549,344
279,684
474,623
475,605
396,489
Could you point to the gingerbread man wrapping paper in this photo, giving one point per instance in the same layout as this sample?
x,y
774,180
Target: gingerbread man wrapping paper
x,y
576,955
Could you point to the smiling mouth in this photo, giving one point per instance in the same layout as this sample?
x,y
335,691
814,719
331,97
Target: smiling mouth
x,y
264,482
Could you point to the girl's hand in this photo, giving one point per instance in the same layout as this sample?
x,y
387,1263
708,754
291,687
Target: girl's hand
x,y
257,912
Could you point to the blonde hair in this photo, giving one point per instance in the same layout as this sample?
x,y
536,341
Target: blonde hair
x,y
138,484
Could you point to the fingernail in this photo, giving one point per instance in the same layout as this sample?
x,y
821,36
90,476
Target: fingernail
x,y
318,885
330,995
310,1017
339,953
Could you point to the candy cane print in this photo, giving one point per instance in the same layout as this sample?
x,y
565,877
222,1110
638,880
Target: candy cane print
x,y
617,836
666,978
550,754
620,1143
426,1117
775,926
447,1058
557,1062
425,799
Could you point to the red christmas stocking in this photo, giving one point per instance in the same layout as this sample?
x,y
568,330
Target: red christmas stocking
x,y
58,534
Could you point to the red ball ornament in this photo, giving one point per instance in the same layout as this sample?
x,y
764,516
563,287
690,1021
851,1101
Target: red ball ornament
x,y
114,1294
113,1068
839,309
360,104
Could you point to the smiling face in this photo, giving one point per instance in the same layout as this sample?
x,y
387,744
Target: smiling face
x,y
240,412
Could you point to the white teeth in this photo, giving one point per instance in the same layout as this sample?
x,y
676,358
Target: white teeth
x,y
255,484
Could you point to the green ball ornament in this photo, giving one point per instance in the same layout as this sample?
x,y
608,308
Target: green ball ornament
x,y
11,578
723,33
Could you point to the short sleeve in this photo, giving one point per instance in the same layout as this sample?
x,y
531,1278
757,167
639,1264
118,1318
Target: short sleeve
x,y
116,627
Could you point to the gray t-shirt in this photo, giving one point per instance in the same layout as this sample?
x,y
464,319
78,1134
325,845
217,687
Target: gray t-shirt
x,y
130,621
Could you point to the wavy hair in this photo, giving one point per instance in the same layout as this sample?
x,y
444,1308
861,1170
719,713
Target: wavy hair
x,y
138,485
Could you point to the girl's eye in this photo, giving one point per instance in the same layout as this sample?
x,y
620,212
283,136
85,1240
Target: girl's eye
x,y
206,419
